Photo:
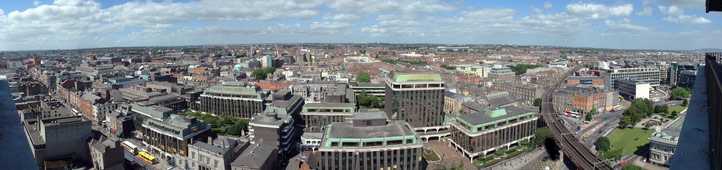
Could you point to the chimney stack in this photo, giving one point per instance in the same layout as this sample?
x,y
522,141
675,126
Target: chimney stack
x,y
210,139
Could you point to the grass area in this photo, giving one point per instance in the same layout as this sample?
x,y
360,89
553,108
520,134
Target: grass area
x,y
675,108
630,140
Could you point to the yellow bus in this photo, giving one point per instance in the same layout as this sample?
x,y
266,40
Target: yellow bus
x,y
147,157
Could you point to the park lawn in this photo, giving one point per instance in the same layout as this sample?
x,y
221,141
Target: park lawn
x,y
674,108
625,139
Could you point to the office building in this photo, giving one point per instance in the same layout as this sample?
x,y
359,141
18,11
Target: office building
x,y
317,115
280,125
632,89
236,101
58,137
686,79
169,137
417,98
216,154
370,141
643,74
377,90
662,143
480,134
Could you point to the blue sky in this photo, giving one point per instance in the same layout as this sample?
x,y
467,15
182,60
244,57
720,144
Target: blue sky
x,y
627,24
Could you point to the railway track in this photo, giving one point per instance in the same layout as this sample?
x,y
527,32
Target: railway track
x,y
581,156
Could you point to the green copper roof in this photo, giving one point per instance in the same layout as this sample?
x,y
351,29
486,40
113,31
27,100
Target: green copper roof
x,y
496,113
409,77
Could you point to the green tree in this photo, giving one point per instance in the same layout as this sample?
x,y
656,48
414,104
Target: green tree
x,y
679,93
537,102
541,134
363,77
563,56
603,144
261,74
588,117
625,121
674,114
631,167
591,113
685,103
238,126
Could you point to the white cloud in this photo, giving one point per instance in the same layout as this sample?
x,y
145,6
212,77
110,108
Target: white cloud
x,y
387,7
686,19
599,11
485,15
329,27
686,3
676,15
147,13
624,25
646,12
547,5
36,3
341,17
671,10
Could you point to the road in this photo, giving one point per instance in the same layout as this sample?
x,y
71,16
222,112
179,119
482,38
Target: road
x,y
582,157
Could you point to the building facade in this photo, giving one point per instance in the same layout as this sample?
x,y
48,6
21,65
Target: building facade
x,y
370,142
236,101
417,98
280,125
632,89
649,75
480,134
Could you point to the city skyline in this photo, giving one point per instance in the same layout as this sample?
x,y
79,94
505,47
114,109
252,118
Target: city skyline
x,y
76,24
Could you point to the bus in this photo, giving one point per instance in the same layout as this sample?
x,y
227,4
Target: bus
x,y
147,158
130,147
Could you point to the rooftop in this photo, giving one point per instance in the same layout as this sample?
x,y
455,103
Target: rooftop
x,y
347,130
232,90
402,77
254,156
491,115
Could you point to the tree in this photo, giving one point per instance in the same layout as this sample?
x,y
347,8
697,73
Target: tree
x,y
261,74
603,144
541,134
679,93
363,77
647,125
537,102
588,117
685,103
674,114
563,56
631,167
625,121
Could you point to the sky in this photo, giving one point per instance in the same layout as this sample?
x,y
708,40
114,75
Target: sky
x,y
622,24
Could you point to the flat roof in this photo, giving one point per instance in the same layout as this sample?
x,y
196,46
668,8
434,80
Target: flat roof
x,y
347,130
235,90
490,115
401,77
